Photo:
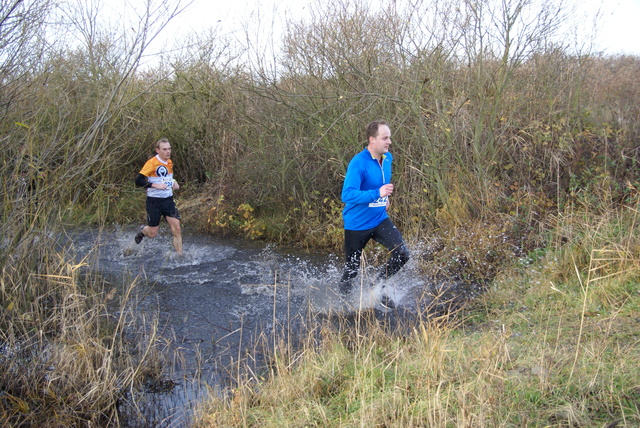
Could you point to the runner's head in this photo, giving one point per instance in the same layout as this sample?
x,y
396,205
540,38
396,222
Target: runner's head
x,y
372,128
379,136
163,149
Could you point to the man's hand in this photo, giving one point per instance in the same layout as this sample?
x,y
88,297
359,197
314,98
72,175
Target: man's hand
x,y
386,190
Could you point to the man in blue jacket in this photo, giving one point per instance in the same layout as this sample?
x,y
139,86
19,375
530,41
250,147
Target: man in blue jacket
x,y
366,190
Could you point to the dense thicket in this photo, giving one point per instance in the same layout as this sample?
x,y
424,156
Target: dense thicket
x,y
495,120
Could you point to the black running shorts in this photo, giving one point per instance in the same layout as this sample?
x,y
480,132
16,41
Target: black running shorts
x,y
160,207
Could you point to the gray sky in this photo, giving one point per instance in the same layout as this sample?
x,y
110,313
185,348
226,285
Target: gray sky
x,y
617,32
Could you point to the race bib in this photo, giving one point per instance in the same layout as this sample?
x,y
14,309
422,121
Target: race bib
x,y
380,202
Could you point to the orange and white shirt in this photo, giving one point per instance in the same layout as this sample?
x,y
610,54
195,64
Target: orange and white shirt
x,y
158,171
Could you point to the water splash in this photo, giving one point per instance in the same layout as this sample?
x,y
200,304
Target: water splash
x,y
216,299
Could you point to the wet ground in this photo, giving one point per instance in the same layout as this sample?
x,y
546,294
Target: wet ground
x,y
213,304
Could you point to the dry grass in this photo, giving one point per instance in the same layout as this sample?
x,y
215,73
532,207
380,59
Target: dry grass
x,y
62,351
529,352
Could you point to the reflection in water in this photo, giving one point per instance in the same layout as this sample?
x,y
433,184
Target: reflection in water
x,y
214,303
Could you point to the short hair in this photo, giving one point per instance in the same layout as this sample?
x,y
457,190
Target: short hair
x,y
162,140
372,128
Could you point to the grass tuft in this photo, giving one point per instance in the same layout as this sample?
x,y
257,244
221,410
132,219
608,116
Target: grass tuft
x,y
529,351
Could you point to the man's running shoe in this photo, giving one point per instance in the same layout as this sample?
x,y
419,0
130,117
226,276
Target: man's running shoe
x,y
386,302
139,236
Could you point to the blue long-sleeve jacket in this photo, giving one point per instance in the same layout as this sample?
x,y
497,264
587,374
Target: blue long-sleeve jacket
x,y
364,208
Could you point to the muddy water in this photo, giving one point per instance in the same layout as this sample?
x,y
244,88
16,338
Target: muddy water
x,y
212,304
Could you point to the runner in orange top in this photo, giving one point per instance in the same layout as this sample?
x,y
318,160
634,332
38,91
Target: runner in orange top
x,y
157,177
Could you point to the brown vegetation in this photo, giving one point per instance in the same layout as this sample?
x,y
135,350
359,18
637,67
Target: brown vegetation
x,y
503,136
